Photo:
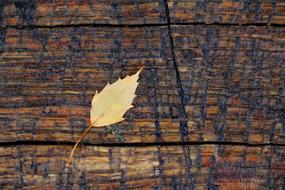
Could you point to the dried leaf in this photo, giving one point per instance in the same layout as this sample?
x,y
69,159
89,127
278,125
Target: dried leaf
x,y
110,105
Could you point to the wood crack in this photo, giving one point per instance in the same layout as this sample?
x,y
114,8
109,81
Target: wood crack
x,y
183,115
137,144
141,25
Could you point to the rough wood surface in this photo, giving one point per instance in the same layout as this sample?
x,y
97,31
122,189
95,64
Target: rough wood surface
x,y
62,12
228,12
175,167
209,90
48,78
232,79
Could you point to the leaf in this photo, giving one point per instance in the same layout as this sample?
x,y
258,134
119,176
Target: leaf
x,y
110,105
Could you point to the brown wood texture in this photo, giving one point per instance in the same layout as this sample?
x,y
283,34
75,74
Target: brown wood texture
x,y
52,13
232,79
62,12
175,167
228,12
50,75
210,110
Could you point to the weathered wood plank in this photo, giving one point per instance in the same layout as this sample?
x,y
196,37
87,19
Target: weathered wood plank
x,y
48,78
231,12
62,12
233,81
175,167
52,13
232,77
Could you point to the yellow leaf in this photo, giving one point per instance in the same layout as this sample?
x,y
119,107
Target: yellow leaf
x,y
110,105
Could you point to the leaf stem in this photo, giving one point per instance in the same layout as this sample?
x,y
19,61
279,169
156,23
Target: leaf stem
x,y
69,161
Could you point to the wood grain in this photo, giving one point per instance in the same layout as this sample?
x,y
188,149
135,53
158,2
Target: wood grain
x,y
48,78
233,81
175,167
227,12
62,12
210,89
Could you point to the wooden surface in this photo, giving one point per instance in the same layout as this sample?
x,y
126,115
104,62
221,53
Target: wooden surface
x,y
233,81
63,12
172,167
210,110
227,12
129,12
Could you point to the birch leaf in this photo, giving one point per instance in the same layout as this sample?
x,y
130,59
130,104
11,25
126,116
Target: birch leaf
x,y
110,105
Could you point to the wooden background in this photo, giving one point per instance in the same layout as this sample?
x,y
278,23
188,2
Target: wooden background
x,y
210,110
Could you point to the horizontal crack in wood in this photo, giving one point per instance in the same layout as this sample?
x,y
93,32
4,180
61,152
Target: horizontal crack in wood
x,y
137,144
142,25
